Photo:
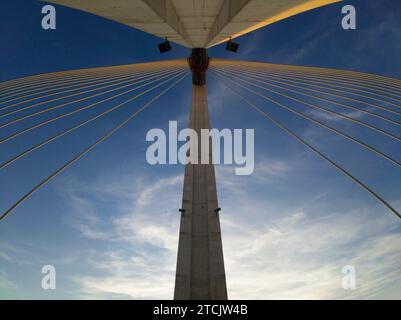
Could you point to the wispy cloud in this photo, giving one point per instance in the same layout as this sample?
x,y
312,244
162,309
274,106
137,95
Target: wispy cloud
x,y
296,254
302,255
332,117
144,235
6,283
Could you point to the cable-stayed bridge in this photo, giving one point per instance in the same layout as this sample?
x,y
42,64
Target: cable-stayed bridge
x,y
198,25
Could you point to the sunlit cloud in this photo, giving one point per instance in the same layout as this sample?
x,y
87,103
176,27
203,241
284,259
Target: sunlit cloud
x,y
298,254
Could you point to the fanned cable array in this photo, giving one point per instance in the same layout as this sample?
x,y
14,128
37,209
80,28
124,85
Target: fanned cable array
x,y
76,91
343,95
349,96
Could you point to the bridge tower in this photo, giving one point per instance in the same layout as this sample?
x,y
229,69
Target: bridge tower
x,y
200,271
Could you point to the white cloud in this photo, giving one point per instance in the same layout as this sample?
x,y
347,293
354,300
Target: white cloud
x,y
268,255
5,282
331,117
128,275
301,255
86,220
145,235
149,193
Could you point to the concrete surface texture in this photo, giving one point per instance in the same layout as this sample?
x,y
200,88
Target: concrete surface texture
x,y
200,266
195,23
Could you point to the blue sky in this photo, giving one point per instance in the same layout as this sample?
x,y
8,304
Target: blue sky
x,y
110,224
